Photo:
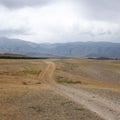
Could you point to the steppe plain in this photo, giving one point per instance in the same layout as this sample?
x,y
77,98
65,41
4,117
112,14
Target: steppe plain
x,y
59,89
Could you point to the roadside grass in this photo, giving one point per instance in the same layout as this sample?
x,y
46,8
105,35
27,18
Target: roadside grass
x,y
63,80
31,71
23,72
100,70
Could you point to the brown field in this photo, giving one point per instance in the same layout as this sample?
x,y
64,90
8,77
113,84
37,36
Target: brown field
x,y
60,89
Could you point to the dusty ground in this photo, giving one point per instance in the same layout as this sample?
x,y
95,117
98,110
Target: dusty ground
x,y
39,103
102,105
101,70
23,97
29,90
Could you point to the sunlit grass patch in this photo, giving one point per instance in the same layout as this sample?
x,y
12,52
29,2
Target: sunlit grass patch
x,y
31,71
63,80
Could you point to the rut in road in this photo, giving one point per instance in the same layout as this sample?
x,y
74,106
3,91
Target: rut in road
x,y
46,76
103,107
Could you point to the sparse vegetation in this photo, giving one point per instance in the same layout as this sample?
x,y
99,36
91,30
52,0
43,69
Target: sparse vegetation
x,y
31,71
67,81
37,107
23,96
101,70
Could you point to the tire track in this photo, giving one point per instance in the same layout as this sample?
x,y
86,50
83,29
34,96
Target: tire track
x,y
102,107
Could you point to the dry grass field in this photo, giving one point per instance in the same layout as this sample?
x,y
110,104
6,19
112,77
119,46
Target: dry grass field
x,y
93,83
106,72
80,87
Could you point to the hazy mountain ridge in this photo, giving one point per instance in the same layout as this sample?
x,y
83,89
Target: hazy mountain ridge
x,y
75,49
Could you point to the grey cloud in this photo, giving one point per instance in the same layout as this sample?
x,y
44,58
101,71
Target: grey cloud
x,y
9,32
102,9
92,34
106,11
23,3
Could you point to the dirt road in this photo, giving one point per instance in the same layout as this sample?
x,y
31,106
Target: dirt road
x,y
46,75
105,108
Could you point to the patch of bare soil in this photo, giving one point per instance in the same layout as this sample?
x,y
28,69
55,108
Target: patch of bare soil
x,y
97,104
29,92
100,70
39,103
104,107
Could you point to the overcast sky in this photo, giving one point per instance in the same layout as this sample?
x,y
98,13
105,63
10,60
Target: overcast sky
x,y
60,20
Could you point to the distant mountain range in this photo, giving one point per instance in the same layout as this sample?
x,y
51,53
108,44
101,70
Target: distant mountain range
x,y
58,50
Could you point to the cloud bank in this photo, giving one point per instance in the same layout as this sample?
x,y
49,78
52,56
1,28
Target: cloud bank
x,y
24,3
60,20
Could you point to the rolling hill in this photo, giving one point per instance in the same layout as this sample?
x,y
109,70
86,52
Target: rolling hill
x,y
75,49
